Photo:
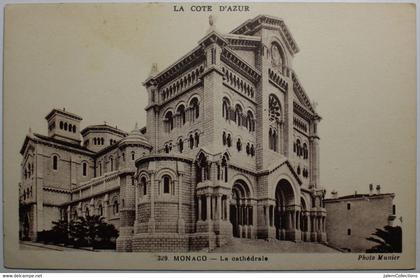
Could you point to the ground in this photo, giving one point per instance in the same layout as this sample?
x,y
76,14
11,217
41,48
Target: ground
x,y
273,246
236,246
36,246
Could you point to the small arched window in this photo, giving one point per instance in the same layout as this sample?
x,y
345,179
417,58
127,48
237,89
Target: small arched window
x,y
133,155
191,141
111,161
100,168
143,185
239,145
55,162
229,140
197,139
102,141
84,169
166,184
225,108
74,129
61,125
65,126
166,148
86,211
250,121
195,106
180,145
224,138
100,210
115,207
305,151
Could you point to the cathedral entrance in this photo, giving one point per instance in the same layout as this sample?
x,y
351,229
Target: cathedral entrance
x,y
283,212
241,211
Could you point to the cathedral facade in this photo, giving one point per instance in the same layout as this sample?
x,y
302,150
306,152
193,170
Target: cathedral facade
x,y
230,149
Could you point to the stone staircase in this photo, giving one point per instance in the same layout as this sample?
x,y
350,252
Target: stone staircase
x,y
240,245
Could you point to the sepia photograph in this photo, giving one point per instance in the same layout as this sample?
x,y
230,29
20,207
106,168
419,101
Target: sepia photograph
x,y
197,136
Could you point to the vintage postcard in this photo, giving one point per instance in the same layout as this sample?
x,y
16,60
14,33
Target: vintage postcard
x,y
221,136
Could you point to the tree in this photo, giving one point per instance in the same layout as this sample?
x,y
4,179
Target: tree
x,y
388,239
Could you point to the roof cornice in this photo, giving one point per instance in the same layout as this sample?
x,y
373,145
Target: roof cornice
x,y
252,25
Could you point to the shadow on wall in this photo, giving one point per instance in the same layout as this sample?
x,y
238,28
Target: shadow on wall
x,y
388,239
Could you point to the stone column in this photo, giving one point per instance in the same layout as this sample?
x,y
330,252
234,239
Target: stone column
x,y
267,215
297,220
219,207
227,209
151,224
181,223
199,208
208,206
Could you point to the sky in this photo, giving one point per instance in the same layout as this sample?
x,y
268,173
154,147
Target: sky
x,y
357,61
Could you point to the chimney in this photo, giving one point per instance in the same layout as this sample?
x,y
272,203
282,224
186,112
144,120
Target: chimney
x,y
370,189
334,194
378,189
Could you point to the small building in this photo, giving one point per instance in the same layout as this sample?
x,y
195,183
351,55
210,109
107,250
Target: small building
x,y
353,218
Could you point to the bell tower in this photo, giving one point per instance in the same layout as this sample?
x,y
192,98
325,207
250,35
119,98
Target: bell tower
x,y
64,125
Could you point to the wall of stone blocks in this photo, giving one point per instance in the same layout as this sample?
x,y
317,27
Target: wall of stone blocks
x,y
363,217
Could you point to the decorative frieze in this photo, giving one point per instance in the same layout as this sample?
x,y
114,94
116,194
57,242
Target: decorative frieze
x,y
183,83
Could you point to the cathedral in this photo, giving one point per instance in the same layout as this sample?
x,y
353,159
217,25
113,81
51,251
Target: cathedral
x,y
230,149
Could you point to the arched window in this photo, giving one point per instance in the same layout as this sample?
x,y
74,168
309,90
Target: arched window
x,y
86,211
270,139
305,151
191,141
180,145
274,109
225,108
102,141
250,121
197,139
238,114
224,138
100,168
61,125
229,140
298,148
111,160
84,169
239,145
143,185
169,121
202,168
166,148
225,168
115,207
166,184
181,113
65,126
195,106
74,129
100,210
55,162
94,141
252,150
248,149
133,155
